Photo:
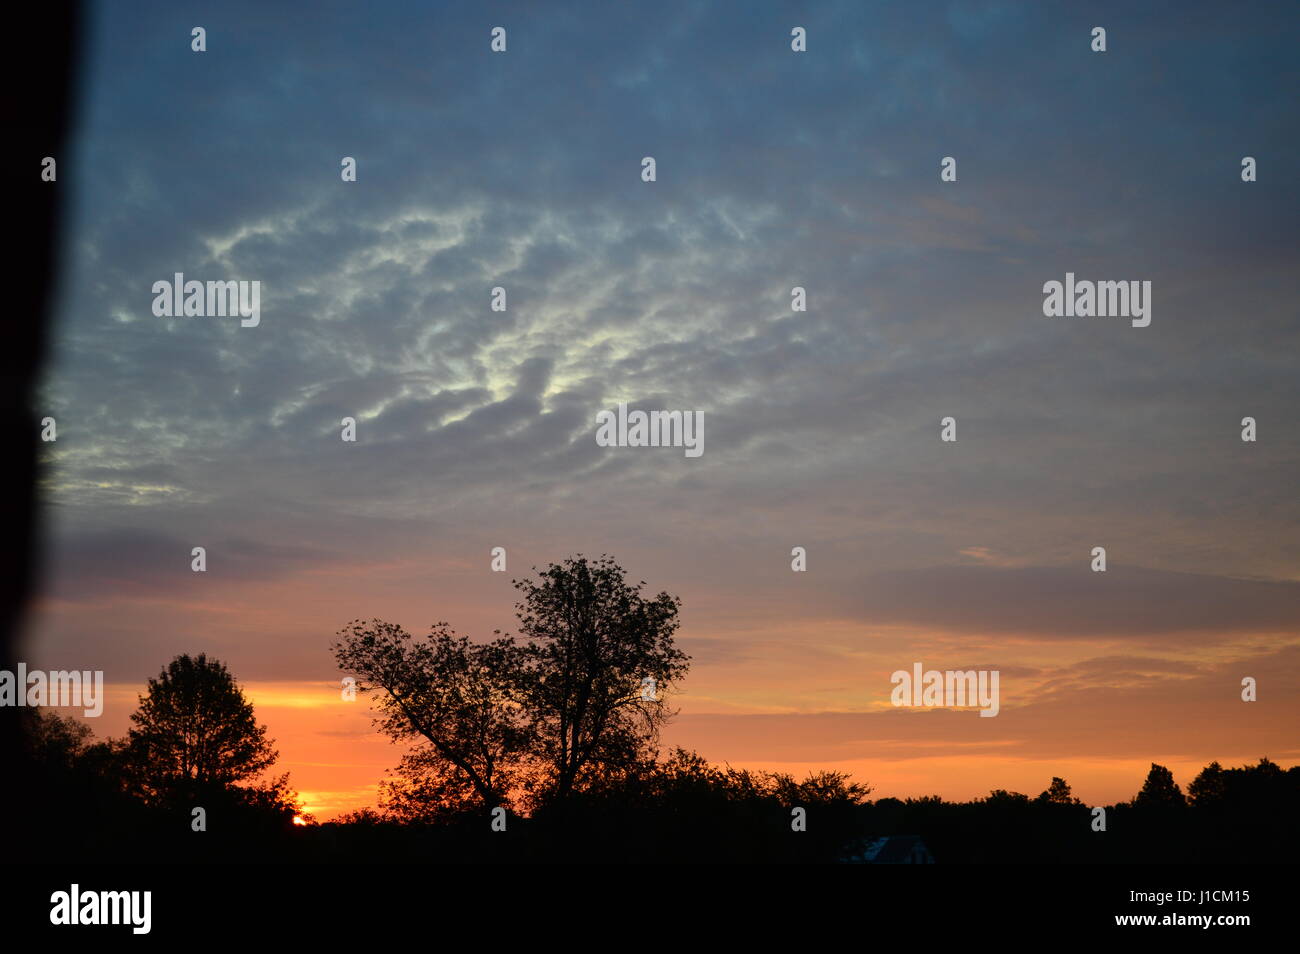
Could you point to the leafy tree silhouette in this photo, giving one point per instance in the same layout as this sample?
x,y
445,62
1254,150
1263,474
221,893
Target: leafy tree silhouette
x,y
576,704
1058,793
457,700
1160,790
1209,788
194,733
55,742
599,660
1251,805
1217,789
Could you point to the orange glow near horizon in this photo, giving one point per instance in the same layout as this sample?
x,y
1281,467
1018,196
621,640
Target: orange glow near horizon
x,y
336,759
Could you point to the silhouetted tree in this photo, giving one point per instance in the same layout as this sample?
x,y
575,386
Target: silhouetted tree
x,y
1160,790
456,699
599,660
195,732
819,788
55,742
77,777
1000,796
1251,793
1058,793
1208,788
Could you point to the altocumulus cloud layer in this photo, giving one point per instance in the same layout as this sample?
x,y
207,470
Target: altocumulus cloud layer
x,y
476,428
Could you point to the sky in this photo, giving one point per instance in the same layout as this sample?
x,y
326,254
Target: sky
x,y
774,169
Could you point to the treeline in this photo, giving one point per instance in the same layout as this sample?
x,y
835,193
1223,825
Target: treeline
x,y
680,809
687,810
544,747
1234,815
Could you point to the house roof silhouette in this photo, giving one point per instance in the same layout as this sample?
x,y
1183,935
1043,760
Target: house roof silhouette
x,y
890,850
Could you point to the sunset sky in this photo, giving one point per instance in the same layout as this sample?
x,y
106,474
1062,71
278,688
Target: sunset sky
x,y
476,428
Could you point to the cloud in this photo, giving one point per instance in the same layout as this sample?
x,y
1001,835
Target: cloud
x,y
1076,603
1197,716
476,428
143,565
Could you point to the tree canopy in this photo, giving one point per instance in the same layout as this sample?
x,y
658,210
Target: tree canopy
x,y
578,699
194,731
